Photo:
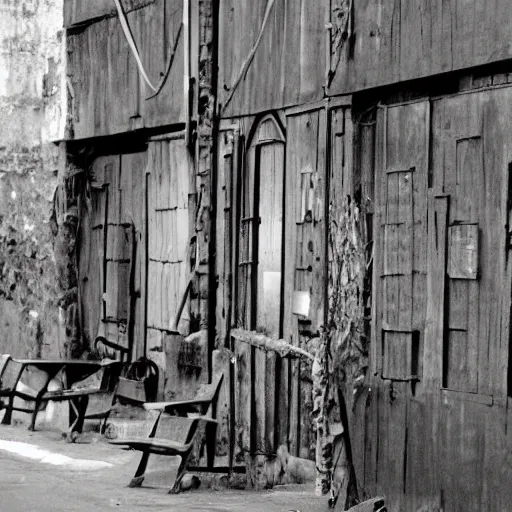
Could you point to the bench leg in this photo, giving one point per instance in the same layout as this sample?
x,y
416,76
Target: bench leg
x,y
181,473
6,420
211,437
37,404
103,427
141,470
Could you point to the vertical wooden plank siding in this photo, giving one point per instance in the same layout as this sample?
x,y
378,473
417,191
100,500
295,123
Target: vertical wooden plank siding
x,y
114,288
243,401
384,42
403,179
109,97
259,383
445,233
288,51
133,211
272,395
304,254
468,172
401,190
168,250
92,250
76,11
226,167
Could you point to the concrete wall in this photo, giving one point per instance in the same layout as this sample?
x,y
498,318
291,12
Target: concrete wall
x,y
32,114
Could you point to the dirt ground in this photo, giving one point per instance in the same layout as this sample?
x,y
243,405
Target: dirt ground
x,y
28,485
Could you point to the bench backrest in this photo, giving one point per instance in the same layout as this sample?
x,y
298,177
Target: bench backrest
x,y
210,393
10,372
3,363
183,429
109,348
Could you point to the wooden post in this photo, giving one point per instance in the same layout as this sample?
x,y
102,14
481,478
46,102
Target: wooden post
x,y
66,206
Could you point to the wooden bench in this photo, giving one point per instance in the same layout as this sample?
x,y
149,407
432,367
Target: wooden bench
x,y
161,440
11,371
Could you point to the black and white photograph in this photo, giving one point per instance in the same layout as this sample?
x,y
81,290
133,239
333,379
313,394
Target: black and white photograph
x,y
256,255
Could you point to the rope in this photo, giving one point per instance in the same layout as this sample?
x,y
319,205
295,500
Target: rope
x,y
129,37
169,65
133,47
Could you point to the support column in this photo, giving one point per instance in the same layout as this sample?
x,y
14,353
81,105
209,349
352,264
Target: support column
x,y
201,306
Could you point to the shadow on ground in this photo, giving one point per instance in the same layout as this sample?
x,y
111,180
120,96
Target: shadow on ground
x,y
32,486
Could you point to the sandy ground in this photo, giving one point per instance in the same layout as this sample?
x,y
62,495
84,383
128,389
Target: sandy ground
x,y
31,485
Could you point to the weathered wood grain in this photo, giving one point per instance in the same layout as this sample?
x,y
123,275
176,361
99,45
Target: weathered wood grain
x,y
282,402
77,12
403,151
223,230
463,438
271,403
108,96
259,415
221,363
421,477
291,42
168,234
294,424
393,41
474,162
243,400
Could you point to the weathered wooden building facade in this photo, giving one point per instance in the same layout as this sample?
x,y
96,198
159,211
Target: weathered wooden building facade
x,y
339,168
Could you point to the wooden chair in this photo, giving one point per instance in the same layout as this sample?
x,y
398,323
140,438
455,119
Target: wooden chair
x,y
160,440
127,391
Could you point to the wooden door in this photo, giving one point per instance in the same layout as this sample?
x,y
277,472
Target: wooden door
x,y
261,225
399,306
113,252
471,170
270,161
168,250
258,287
441,305
124,252
304,263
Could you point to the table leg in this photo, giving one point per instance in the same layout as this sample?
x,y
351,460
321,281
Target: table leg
x,y
77,410
39,397
10,407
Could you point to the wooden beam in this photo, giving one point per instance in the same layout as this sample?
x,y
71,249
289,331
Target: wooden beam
x,y
261,341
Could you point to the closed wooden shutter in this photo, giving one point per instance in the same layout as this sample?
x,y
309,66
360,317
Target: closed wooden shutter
x,y
400,247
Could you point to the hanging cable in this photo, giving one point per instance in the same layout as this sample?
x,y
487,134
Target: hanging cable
x,y
250,57
133,47
131,42
169,65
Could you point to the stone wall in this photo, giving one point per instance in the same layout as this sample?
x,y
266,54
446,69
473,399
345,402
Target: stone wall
x,y
31,116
